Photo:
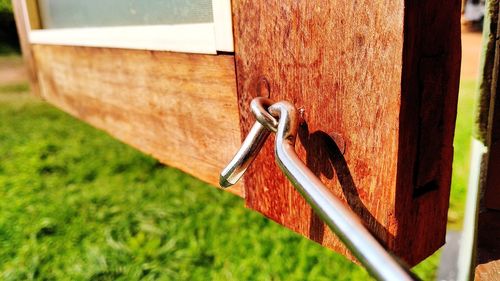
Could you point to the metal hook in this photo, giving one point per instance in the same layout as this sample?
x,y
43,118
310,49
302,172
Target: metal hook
x,y
259,107
342,220
251,145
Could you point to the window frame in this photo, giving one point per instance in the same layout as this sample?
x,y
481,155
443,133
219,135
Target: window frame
x,y
203,38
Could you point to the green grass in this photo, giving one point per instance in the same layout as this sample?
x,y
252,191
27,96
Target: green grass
x,y
8,50
462,143
14,88
76,204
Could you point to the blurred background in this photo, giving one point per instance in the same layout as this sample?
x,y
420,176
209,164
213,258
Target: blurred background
x,y
76,204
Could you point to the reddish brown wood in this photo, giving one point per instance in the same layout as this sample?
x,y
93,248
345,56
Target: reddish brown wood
x,y
380,77
180,108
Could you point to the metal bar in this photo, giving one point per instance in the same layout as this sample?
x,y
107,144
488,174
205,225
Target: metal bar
x,y
252,144
245,155
344,222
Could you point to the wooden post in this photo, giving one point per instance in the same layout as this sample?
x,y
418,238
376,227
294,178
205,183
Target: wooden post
x,y
488,236
377,82
23,27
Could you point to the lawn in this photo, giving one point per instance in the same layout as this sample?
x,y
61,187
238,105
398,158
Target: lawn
x,y
75,204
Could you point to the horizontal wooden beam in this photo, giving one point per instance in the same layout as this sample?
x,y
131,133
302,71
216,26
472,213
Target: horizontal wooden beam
x,y
180,108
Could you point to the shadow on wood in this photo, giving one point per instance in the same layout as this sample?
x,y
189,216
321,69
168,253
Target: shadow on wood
x,y
325,158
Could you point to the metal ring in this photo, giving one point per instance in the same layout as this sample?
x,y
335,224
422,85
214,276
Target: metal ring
x,y
259,107
288,119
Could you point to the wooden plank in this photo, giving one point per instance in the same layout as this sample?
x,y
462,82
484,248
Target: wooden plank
x,y
378,83
23,28
180,108
430,82
488,222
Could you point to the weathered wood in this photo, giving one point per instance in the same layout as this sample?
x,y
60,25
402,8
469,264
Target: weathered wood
x,y
492,189
380,77
23,28
180,108
430,82
488,222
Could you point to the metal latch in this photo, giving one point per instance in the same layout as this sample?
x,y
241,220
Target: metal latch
x,y
282,118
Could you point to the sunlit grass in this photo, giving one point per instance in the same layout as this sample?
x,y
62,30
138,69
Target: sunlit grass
x,y
462,144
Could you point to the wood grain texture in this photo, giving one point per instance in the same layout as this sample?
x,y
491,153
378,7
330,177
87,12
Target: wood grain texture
x,y
488,272
429,92
488,222
23,28
180,108
492,188
378,77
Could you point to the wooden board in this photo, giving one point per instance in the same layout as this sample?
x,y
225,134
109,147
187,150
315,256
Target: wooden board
x,y
23,25
492,190
488,221
180,108
378,83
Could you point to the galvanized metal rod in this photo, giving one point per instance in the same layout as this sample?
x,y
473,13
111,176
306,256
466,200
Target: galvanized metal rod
x,y
252,143
245,155
343,221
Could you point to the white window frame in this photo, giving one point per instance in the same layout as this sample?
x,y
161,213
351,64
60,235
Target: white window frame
x,y
203,38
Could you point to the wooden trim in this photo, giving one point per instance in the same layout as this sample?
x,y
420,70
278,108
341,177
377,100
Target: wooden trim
x,y
180,108
33,14
223,25
189,38
23,28
363,75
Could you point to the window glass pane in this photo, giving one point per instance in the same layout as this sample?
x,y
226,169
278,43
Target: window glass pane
x,y
98,13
